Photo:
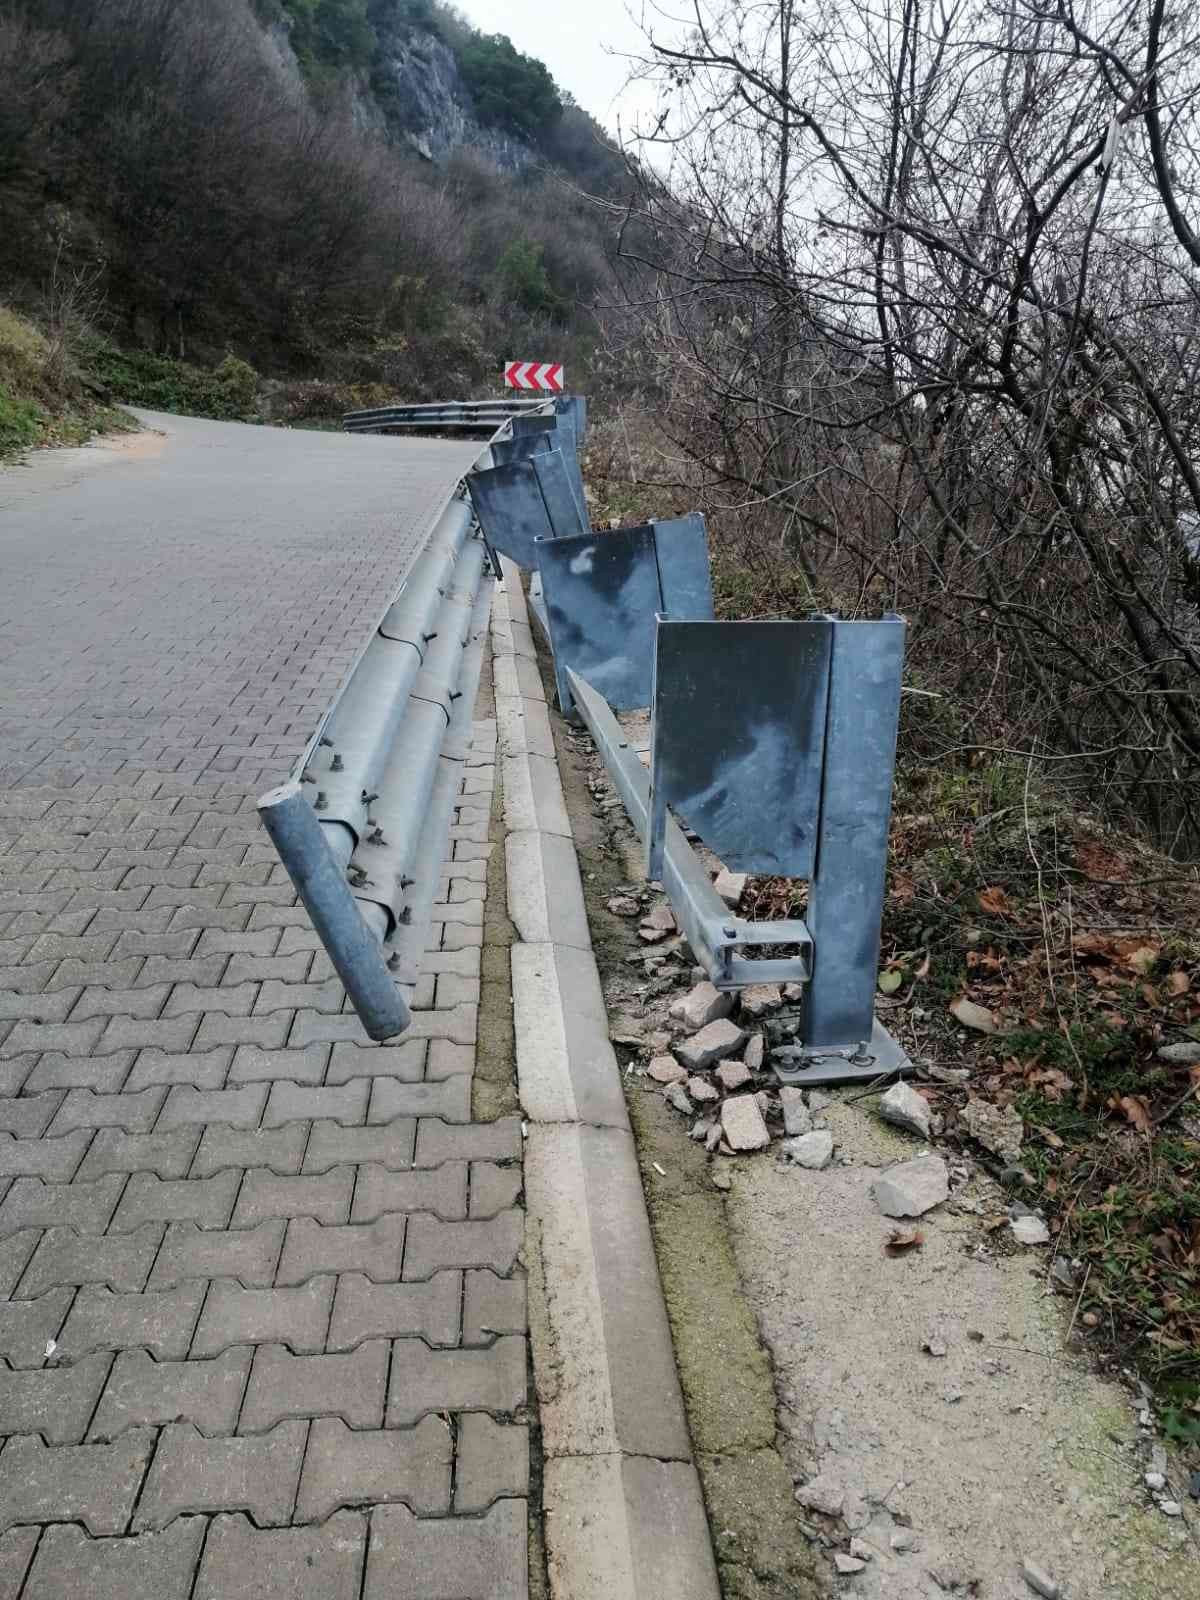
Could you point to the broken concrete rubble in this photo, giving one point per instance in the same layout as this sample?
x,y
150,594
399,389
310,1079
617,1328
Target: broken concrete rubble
x,y
731,886
733,1075
903,1106
796,1116
998,1129
700,1006
812,1150
759,1000
742,1123
711,1044
912,1188
702,1091
754,1053
665,1069
677,1096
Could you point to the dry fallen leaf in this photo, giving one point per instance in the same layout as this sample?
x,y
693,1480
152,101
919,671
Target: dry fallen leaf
x,y
972,1016
923,970
994,901
1139,957
902,1239
1178,983
1135,1110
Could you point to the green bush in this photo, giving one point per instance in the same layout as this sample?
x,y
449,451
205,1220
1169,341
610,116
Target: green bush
x,y
523,279
20,422
141,378
331,34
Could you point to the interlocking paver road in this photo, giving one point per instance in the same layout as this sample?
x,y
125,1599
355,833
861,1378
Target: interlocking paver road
x,y
261,1319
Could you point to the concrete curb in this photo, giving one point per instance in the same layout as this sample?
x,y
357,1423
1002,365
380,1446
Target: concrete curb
x,y
624,1512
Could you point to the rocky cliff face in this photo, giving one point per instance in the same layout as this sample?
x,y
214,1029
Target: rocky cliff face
x,y
421,97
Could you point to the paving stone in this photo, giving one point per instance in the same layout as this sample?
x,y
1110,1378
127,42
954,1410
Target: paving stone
x,y
283,1386
474,1141
202,1071
235,1108
365,1310
70,1566
136,1033
327,1028
264,1194
389,1146
167,1154
492,1463
144,1004
275,996
297,1318
405,1062
449,1100
192,1473
105,1074
259,1033
279,1150
15,1252
376,1248
249,1255
460,1024
66,1258
95,1484
447,1059
291,1102
492,1305
233,1002
84,1108
252,1065
286,969
86,1207
242,1562
493,1189
164,969
207,1201
30,1116
226,941
469,1558
54,1160
16,1552
424,1380
56,1402
433,1244
346,1467
41,1009
27,1326
143,1391
160,1321
442,1190
14,1074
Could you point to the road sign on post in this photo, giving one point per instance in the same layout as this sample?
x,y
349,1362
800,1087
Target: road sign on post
x,y
545,375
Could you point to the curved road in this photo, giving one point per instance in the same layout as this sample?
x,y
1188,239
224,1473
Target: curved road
x,y
239,1296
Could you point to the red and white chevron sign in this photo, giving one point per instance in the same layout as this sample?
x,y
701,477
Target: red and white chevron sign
x,y
534,375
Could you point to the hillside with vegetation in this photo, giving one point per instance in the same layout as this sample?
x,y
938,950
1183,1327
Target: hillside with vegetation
x,y
355,197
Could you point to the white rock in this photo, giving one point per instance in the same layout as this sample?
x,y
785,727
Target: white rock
x,y
1040,1581
1170,1508
972,1016
912,1188
733,1075
701,1090
1030,1230
754,1053
742,1123
713,1043
700,1006
812,1150
1155,1481
731,886
847,1564
1180,1055
677,1096
903,1539
821,1495
796,1116
998,1129
860,1548
907,1109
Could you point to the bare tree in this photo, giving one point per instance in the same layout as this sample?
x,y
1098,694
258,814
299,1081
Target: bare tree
x,y
924,278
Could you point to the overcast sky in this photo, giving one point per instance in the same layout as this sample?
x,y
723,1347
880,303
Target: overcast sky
x,y
583,42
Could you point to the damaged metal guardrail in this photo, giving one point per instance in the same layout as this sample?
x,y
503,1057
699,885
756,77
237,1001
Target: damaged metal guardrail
x,y
773,743
475,416
352,827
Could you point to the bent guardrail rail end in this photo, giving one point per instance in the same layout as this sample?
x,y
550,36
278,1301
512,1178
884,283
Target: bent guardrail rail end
x,y
354,950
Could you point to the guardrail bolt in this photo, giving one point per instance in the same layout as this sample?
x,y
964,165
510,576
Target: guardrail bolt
x,y
405,916
325,743
307,777
336,764
407,883
376,837
428,638
369,799
321,801
393,961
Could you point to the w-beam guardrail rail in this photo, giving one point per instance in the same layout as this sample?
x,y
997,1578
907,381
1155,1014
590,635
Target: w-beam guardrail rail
x,y
772,743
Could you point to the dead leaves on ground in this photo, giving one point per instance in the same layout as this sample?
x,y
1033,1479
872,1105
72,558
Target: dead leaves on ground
x,y
902,1240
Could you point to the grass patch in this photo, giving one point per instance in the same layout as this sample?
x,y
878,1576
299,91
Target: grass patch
x,y
44,397
229,392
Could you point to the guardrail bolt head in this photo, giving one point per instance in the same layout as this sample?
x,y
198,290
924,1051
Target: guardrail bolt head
x,y
428,638
336,765
407,883
369,799
405,916
393,961
326,743
321,801
307,777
